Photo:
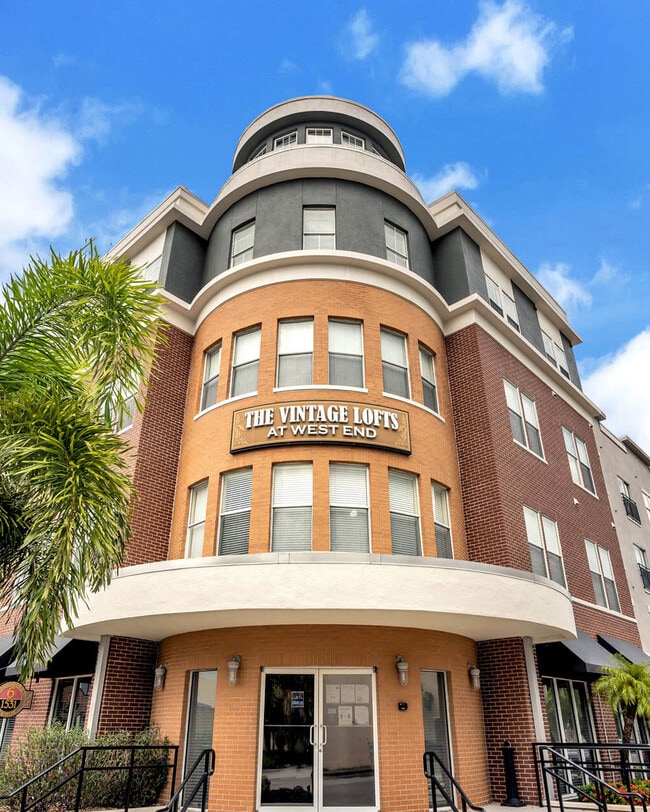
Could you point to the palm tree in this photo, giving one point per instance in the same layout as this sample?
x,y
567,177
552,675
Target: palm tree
x,y
625,687
76,339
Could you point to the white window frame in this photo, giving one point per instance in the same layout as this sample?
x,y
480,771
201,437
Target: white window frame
x,y
298,497
345,351
522,413
396,239
288,349
602,572
197,501
242,244
236,498
494,294
319,135
397,507
646,503
639,554
238,365
502,302
543,535
352,141
428,374
6,734
211,369
391,364
578,457
285,141
441,518
325,234
555,354
124,414
73,701
350,494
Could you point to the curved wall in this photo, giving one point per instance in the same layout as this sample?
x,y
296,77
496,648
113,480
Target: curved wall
x,y
278,213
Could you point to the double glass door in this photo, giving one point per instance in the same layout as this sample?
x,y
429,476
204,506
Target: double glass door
x,y
318,740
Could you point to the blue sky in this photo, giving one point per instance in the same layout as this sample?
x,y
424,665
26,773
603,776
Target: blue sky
x,y
537,112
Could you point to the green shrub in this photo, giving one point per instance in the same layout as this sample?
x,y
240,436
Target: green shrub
x,y
43,747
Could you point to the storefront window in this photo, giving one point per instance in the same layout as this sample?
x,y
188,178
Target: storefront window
x,y
71,701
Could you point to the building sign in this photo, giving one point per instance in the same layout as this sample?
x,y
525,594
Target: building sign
x,y
14,697
322,421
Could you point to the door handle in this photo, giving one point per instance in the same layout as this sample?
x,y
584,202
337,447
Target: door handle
x,y
324,741
312,737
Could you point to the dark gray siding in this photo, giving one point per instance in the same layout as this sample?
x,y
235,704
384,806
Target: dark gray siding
x,y
571,361
360,214
459,270
528,319
183,258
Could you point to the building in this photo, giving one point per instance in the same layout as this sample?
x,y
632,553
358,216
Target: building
x,y
371,514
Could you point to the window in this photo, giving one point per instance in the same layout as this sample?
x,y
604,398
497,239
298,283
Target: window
x,y
640,556
196,520
318,135
523,419
201,701
234,525
352,141
646,503
602,576
245,363
124,413
544,546
284,141
394,364
211,366
441,520
6,732
502,302
631,508
396,246
292,501
241,249
428,370
71,701
319,227
345,353
349,508
295,352
261,151
578,460
555,354
404,513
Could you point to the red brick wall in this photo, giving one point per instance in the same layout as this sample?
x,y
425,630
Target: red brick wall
x,y
128,688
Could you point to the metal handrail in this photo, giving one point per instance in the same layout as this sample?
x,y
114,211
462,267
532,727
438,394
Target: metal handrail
x,y
85,768
561,767
208,757
429,771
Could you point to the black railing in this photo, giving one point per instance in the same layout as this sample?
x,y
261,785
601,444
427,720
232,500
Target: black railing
x,y
445,787
56,781
201,771
645,576
631,509
602,774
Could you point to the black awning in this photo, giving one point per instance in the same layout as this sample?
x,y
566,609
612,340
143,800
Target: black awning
x,y
582,657
6,652
631,652
69,658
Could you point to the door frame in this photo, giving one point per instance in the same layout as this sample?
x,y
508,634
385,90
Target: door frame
x,y
317,672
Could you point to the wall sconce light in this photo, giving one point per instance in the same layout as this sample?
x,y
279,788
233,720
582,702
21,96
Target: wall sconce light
x,y
233,668
475,675
159,677
402,670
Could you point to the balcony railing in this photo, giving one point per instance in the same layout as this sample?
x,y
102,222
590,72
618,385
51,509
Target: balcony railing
x,y
645,576
631,509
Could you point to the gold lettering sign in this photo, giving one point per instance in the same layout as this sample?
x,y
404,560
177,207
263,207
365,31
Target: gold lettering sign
x,y
322,421
14,697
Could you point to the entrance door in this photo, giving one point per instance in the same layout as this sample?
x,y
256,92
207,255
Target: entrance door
x,y
318,740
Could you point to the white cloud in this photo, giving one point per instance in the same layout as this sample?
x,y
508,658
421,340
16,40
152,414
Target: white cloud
x,y
36,152
362,39
568,292
620,385
452,176
607,273
509,45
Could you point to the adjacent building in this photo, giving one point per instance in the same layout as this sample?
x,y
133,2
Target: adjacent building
x,y
371,516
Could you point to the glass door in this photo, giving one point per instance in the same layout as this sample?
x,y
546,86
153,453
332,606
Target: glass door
x,y
318,740
200,724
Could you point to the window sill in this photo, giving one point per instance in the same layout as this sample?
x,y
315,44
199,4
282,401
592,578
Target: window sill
x,y
224,403
605,609
415,403
530,451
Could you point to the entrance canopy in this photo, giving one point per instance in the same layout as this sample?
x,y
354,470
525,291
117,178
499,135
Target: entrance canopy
x,y
631,652
579,658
